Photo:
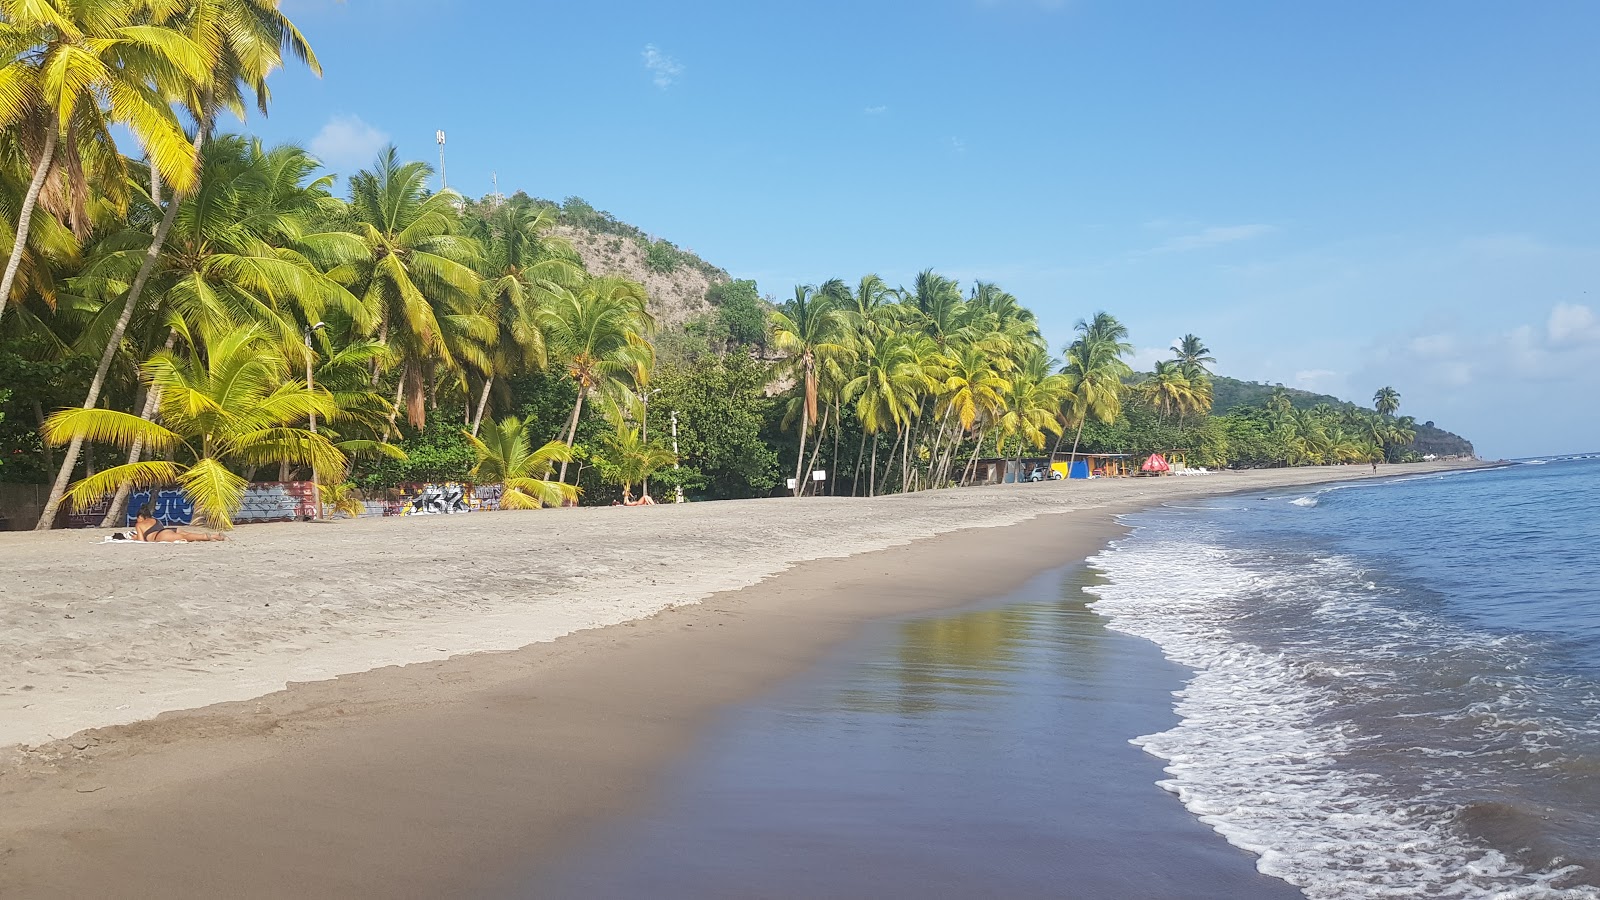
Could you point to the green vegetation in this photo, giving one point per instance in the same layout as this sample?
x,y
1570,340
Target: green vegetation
x,y
209,312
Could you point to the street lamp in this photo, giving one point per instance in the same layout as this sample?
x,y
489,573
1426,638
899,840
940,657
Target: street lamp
x,y
644,428
678,489
316,482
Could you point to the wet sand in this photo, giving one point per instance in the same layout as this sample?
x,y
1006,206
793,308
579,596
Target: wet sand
x,y
981,753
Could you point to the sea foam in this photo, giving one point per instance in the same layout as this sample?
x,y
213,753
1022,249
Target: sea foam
x,y
1257,757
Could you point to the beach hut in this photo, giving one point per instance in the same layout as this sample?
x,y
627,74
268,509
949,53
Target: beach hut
x,y
1155,464
1094,465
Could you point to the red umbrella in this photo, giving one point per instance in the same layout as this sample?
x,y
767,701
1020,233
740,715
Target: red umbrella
x,y
1156,463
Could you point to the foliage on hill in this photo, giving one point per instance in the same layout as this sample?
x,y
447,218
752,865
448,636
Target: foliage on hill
x,y
1231,393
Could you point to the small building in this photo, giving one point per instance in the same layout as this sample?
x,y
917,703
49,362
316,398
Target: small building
x,y
1095,465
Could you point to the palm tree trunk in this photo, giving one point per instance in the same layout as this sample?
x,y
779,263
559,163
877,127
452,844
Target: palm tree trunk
x,y
861,452
938,445
833,459
800,460
483,401
972,465
572,432
816,447
25,219
146,269
118,510
872,473
1074,458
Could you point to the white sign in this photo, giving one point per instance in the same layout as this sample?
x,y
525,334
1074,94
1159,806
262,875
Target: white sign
x,y
791,484
819,475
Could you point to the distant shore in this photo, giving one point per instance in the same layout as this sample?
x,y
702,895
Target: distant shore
x,y
398,775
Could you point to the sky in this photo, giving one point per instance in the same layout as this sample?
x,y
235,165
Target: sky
x,y
1334,196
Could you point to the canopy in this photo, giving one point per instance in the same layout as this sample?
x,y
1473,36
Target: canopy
x,y
1156,463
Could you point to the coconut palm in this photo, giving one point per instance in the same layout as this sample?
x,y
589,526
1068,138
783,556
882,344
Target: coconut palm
x,y
414,274
65,56
808,329
1033,403
884,392
1094,370
1192,355
506,457
599,333
1169,389
524,265
240,43
239,407
628,459
1386,401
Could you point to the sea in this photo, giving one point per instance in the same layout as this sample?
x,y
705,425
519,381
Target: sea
x,y
1396,688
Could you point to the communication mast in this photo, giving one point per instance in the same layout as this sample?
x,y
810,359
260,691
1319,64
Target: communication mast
x,y
444,184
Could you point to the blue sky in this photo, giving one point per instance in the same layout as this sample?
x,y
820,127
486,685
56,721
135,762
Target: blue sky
x,y
1334,196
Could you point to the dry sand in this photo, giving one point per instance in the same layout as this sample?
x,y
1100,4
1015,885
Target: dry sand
x,y
405,781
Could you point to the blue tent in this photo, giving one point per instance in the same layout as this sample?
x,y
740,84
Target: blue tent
x,y
1080,469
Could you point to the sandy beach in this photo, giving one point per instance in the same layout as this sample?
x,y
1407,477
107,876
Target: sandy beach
x,y
394,782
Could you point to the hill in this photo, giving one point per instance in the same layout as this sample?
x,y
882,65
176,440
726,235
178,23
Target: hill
x,y
676,279
1230,393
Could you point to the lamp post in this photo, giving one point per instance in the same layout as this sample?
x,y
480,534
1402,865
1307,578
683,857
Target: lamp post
x,y
644,428
677,489
316,482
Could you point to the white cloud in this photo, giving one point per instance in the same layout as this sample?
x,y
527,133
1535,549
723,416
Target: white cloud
x,y
958,146
346,143
876,110
664,70
1573,324
1214,236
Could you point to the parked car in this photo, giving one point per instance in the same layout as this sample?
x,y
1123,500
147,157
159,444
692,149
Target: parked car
x,y
1044,473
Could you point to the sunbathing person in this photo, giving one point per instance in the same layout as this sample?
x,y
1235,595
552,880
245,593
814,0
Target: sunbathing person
x,y
150,530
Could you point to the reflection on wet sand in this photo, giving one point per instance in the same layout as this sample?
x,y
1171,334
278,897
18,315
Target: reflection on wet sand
x,y
979,753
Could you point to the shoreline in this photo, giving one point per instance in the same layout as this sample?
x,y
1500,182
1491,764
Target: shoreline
x,y
95,635
563,733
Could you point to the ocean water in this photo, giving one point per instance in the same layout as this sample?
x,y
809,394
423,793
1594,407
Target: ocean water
x,y
1397,684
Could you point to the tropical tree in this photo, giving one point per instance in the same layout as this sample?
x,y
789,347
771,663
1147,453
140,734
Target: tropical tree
x,y
524,266
628,459
599,333
506,457
1192,356
414,273
1094,370
66,58
1386,401
240,43
808,329
239,407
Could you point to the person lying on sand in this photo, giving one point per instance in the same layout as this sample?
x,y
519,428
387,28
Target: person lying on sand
x,y
148,529
645,500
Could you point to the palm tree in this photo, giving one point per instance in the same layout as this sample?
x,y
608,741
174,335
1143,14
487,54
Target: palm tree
x,y
240,43
629,459
1033,404
68,54
414,274
808,328
599,333
1386,401
884,392
238,407
524,265
1094,370
974,390
506,457
1191,354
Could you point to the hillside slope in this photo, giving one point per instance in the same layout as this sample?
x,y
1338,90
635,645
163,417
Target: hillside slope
x,y
1228,393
